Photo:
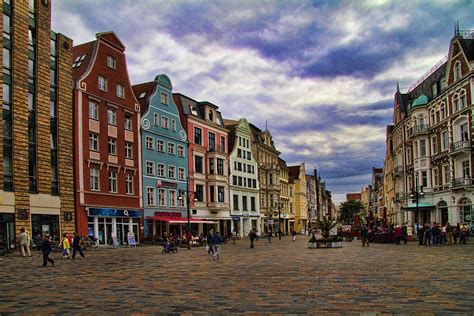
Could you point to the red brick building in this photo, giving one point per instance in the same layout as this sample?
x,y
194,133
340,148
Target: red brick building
x,y
107,148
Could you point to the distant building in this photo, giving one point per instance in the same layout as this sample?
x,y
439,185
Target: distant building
x,y
298,176
286,216
353,197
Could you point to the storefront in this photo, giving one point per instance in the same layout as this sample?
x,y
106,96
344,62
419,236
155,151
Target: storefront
x,y
104,223
7,230
45,225
173,223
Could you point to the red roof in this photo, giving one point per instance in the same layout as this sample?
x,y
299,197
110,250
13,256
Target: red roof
x,y
147,88
294,172
86,49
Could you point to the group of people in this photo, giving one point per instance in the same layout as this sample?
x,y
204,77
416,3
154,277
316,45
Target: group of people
x,y
214,241
66,243
438,235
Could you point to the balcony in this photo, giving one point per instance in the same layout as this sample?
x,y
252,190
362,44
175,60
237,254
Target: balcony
x,y
461,183
463,146
398,171
215,148
418,130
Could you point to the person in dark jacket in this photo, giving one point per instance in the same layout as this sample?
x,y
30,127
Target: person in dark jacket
x,y
217,241
421,234
252,237
46,249
210,241
364,234
76,246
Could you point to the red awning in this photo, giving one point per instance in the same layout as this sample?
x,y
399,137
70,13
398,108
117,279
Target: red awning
x,y
180,220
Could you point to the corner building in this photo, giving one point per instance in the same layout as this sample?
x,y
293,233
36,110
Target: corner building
x,y
432,141
208,163
107,158
164,158
36,167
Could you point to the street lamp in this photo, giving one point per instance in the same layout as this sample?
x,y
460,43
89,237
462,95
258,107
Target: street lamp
x,y
416,194
279,206
187,203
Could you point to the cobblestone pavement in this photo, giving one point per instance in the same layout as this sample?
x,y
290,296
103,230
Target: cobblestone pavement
x,y
281,277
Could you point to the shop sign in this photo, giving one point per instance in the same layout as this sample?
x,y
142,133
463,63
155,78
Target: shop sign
x,y
236,218
112,212
131,240
166,184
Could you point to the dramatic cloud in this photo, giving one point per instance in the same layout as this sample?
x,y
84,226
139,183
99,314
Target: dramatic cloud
x,y
321,74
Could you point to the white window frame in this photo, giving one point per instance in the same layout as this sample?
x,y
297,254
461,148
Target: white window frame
x,y
444,140
457,70
164,98
120,90
165,122
129,183
113,176
94,179
112,115
150,196
181,173
161,197
171,149
128,123
150,168
102,83
172,172
160,170
466,169
111,62
93,110
180,151
173,125
160,145
149,142
112,146
156,119
93,142
172,198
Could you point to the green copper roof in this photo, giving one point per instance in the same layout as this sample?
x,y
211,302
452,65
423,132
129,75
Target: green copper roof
x,y
421,100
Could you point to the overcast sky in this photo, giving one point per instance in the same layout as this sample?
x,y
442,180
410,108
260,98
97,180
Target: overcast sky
x,y
322,73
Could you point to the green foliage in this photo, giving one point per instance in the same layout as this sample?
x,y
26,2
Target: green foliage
x,y
325,225
348,210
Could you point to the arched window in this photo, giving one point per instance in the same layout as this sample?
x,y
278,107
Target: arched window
x,y
443,209
462,99
457,70
433,117
442,111
456,103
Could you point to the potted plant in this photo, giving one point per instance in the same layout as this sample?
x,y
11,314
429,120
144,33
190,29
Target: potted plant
x,y
325,225
312,242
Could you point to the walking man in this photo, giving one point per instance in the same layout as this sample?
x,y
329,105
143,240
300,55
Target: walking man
x,y
24,239
252,237
364,234
76,246
46,249
217,240
210,241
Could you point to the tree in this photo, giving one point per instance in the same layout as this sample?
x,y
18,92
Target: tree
x,y
349,210
325,225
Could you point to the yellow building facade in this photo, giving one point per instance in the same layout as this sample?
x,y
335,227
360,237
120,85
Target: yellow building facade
x,y
298,176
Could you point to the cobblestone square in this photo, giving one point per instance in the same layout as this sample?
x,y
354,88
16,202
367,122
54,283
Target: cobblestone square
x,y
280,277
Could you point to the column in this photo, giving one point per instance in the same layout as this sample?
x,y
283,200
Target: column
x,y
96,227
114,226
130,227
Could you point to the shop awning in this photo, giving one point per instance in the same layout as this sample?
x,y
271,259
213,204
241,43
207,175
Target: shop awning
x,y
421,205
179,220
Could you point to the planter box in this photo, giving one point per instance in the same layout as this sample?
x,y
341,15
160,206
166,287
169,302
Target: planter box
x,y
325,244
312,245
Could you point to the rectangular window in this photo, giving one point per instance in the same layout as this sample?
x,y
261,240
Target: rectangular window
x,y
445,139
220,166
129,183
466,169
148,142
464,132
423,148
236,202
120,91
212,141
112,116
198,164
446,174
424,178
180,151
252,203
161,170
128,121
173,125
164,122
181,173
244,203
197,136
161,197
113,181
239,153
128,150
160,145
171,149
93,110
102,83
220,194
434,145
223,144
171,172
435,177
93,142
111,62
94,179
249,155
112,146
150,196
234,180
211,165
199,193
164,98
156,118
212,194
172,196
150,168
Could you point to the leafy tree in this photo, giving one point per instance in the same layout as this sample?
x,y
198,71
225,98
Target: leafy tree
x,y
348,210
325,225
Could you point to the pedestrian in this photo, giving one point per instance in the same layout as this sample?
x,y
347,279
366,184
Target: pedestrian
x,y
463,235
234,236
252,237
46,249
428,234
217,241
363,235
269,236
420,235
293,235
449,233
24,240
76,246
189,239
210,242
64,244
404,234
397,234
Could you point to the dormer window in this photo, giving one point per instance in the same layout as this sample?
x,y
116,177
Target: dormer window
x,y
434,89
142,95
164,98
211,116
457,70
78,61
193,110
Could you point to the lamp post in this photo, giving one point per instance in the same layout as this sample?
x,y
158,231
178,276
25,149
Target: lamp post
x,y
188,228
416,194
279,206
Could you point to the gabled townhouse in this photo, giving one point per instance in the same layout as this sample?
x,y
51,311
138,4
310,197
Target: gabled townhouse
x,y
243,176
164,159
107,142
208,165
297,175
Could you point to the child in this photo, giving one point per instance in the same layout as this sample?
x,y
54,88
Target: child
x,y
64,244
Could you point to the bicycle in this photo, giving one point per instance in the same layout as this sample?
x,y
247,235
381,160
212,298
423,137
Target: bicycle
x,y
90,243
